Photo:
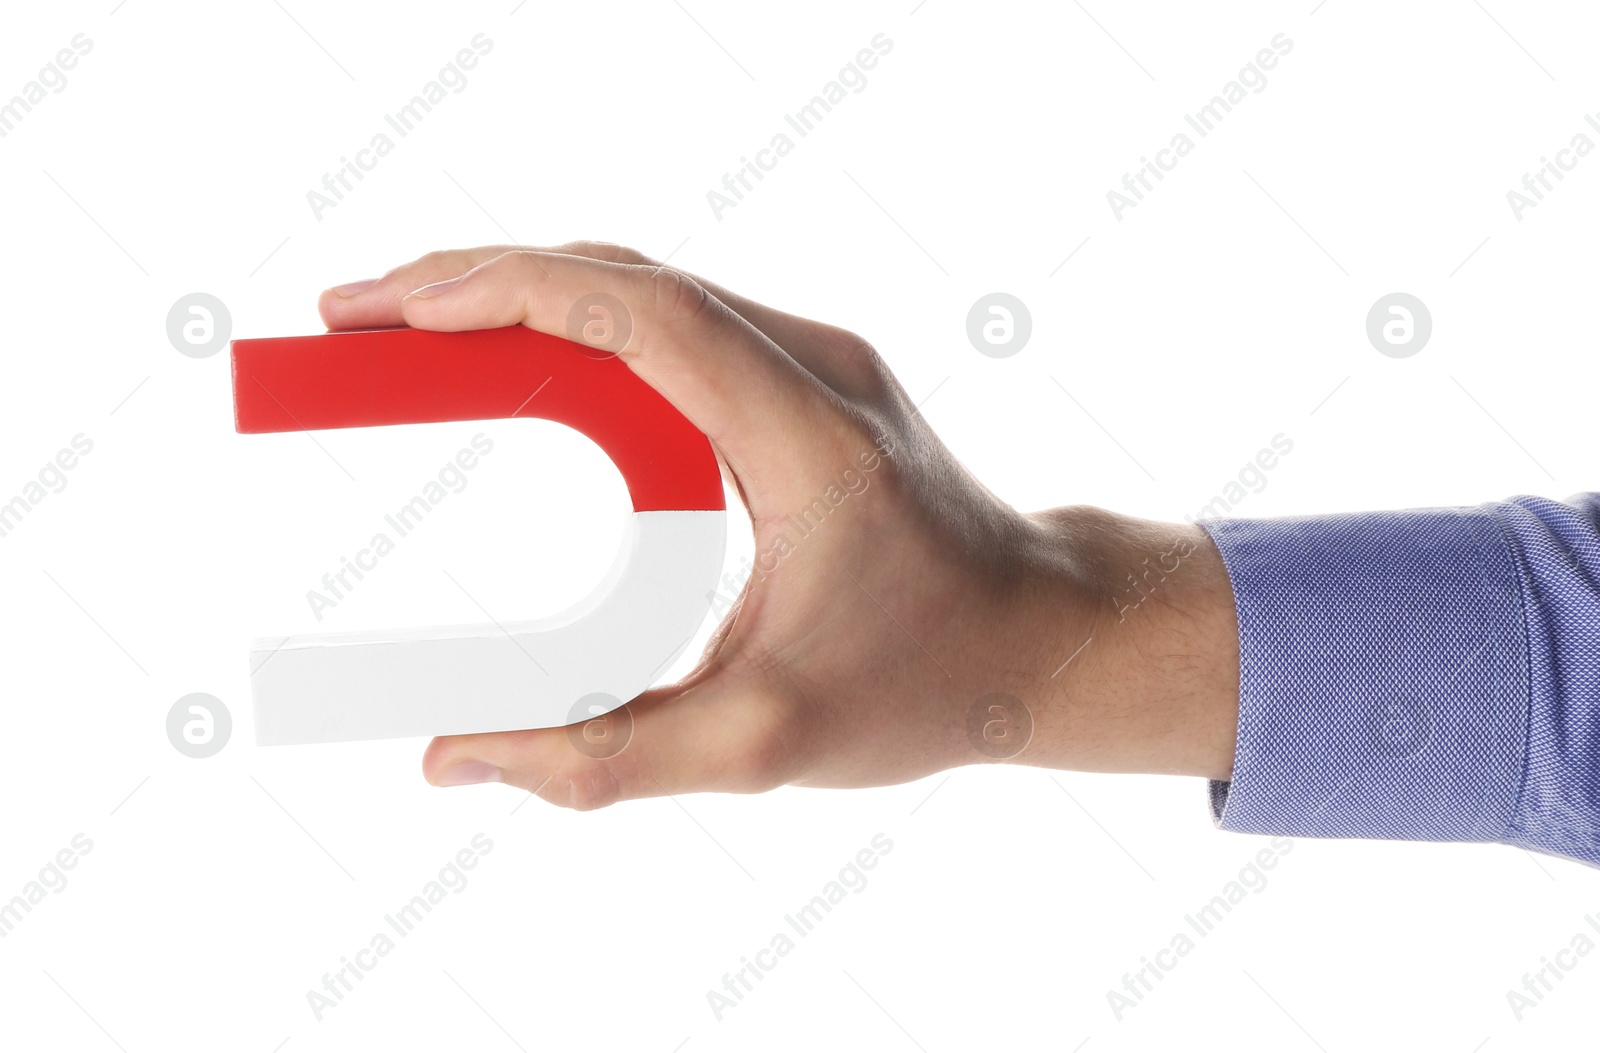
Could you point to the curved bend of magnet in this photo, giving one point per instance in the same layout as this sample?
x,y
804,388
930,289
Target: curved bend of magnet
x,y
465,679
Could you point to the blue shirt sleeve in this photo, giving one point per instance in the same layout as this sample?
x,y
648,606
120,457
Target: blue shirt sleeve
x,y
1430,674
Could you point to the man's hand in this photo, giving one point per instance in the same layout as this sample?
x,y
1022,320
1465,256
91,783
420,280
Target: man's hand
x,y
922,624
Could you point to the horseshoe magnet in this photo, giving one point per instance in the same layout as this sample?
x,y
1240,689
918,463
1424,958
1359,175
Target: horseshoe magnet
x,y
462,679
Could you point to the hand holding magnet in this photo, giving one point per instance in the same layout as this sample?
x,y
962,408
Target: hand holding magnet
x,y
466,679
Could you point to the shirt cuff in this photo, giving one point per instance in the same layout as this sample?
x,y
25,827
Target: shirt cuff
x,y
1383,676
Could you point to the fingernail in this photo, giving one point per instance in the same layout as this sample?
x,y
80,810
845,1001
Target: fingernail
x,y
468,773
350,289
436,288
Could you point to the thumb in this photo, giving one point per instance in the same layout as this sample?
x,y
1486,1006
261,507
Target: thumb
x,y
717,732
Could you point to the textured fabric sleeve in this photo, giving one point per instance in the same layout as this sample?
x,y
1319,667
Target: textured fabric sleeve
x,y
1431,674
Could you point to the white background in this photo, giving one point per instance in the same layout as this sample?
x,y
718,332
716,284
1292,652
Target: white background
x,y
1227,307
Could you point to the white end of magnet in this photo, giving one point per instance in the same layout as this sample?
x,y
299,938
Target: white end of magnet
x,y
465,679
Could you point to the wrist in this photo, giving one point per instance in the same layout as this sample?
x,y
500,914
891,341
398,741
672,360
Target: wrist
x,y
1147,677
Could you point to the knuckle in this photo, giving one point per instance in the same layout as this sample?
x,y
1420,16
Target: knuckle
x,y
438,259
608,252
762,753
677,298
854,348
582,790
522,263
868,374
863,359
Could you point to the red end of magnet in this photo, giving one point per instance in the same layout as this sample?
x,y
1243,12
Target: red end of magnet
x,y
377,377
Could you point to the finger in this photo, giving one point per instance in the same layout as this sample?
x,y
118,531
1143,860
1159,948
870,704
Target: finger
x,y
709,736
780,427
837,357
375,304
